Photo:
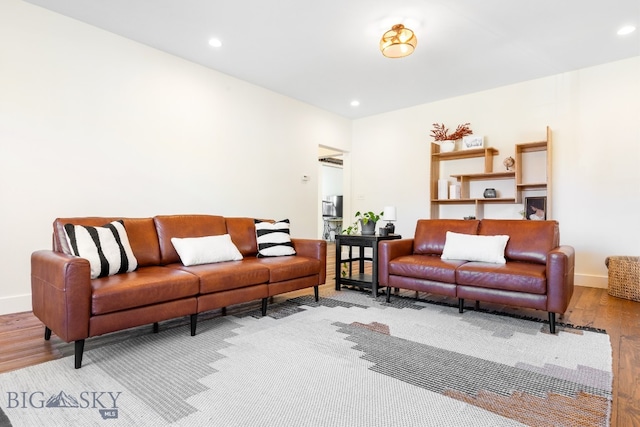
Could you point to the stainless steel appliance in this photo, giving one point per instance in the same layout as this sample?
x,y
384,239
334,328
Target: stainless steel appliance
x,y
332,206
332,216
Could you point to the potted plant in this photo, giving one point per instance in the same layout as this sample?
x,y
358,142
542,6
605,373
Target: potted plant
x,y
365,221
368,222
448,141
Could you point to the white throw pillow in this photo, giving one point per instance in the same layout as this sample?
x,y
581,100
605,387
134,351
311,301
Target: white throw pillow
x,y
274,239
106,248
471,247
206,250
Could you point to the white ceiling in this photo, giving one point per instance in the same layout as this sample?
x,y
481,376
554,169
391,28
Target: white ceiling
x,y
326,52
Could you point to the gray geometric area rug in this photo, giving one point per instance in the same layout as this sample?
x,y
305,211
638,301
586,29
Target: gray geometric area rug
x,y
348,360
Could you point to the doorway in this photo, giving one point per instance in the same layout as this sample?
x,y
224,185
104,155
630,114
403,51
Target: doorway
x,y
331,191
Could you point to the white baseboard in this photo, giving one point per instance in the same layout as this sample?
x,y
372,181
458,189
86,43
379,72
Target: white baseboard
x,y
15,304
591,281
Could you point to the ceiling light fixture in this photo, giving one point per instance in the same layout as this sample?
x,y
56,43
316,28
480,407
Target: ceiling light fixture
x,y
398,42
215,43
628,29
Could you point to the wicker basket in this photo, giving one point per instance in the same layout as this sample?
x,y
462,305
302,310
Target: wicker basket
x,y
624,277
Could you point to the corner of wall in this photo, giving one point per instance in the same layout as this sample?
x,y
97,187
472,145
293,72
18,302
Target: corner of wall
x,y
15,304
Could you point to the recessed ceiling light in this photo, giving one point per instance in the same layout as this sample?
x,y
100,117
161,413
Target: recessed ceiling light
x,y
627,29
215,42
355,103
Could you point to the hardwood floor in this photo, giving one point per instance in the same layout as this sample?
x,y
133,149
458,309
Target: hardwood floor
x,y
22,343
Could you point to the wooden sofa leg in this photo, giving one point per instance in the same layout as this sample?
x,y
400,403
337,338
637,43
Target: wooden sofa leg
x,y
477,305
552,322
47,333
460,305
389,293
193,321
264,306
156,327
79,347
316,293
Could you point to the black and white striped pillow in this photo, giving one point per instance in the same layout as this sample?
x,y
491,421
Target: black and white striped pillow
x,y
106,248
274,238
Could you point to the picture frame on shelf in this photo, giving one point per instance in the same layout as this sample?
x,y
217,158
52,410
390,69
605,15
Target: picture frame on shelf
x,y
472,141
535,208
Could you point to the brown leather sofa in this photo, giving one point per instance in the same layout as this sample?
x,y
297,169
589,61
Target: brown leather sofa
x,y
76,307
538,272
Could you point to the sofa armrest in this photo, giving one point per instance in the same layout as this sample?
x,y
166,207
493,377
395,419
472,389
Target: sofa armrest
x,y
316,249
61,293
560,272
389,250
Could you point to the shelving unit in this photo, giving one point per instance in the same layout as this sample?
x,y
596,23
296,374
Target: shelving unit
x,y
521,186
521,154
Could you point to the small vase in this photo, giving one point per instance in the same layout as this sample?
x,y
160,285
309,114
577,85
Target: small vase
x,y
447,146
368,229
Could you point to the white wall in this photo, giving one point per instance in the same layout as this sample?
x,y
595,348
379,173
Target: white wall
x,y
594,115
94,124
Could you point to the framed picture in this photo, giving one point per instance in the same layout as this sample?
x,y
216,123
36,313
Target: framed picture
x,y
535,208
472,141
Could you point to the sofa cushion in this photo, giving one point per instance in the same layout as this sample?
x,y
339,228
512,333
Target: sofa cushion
x,y
106,248
430,234
169,226
512,276
529,241
226,276
243,234
425,267
206,250
273,238
146,286
471,247
288,268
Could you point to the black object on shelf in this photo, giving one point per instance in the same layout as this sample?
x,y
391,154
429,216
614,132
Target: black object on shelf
x,y
490,193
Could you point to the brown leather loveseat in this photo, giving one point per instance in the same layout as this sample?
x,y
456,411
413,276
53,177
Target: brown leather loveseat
x,y
75,307
537,272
